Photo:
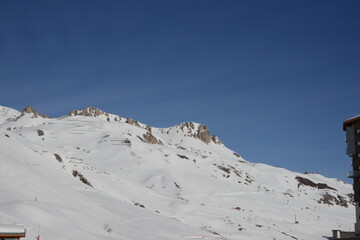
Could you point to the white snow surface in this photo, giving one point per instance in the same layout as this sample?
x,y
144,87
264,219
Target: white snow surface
x,y
12,228
180,189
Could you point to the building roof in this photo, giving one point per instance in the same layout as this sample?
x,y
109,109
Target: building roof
x,y
12,230
350,120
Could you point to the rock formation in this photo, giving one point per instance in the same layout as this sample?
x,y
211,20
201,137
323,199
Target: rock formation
x,y
132,122
202,132
46,116
89,111
149,138
29,109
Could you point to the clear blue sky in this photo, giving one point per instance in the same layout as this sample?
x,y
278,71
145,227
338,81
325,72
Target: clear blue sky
x,y
273,79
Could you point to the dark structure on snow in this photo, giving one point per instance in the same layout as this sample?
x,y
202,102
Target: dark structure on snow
x,y
352,128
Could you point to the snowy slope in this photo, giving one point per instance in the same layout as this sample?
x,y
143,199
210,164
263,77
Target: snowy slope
x,y
94,175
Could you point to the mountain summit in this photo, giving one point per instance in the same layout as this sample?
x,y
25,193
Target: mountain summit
x,y
94,175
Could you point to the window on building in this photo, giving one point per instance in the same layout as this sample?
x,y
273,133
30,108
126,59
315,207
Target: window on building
x,y
358,130
358,143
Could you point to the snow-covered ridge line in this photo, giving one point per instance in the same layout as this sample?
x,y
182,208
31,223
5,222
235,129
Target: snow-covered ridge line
x,y
191,129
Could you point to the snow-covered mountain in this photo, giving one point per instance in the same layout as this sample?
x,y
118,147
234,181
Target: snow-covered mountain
x,y
93,175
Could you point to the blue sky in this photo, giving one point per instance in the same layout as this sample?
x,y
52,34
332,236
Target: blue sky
x,y
273,79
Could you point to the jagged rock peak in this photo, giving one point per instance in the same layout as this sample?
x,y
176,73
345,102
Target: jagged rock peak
x,y
199,131
89,111
30,109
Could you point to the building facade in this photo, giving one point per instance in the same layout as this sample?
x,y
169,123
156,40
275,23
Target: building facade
x,y
352,128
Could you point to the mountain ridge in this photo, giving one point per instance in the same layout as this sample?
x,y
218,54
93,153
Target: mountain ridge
x,y
187,185
196,130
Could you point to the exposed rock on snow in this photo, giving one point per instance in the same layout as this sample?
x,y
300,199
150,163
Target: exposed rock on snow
x,y
30,109
46,116
58,158
83,179
307,182
89,111
148,128
199,131
236,154
40,132
139,204
182,156
132,122
329,199
33,113
149,138
187,125
203,134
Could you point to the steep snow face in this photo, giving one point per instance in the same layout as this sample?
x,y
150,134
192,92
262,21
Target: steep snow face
x,y
90,176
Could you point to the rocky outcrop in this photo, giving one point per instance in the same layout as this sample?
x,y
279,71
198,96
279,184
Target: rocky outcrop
x,y
329,199
89,111
307,182
149,138
94,112
29,109
40,132
148,128
58,158
216,140
201,132
132,122
75,173
237,155
188,125
46,116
